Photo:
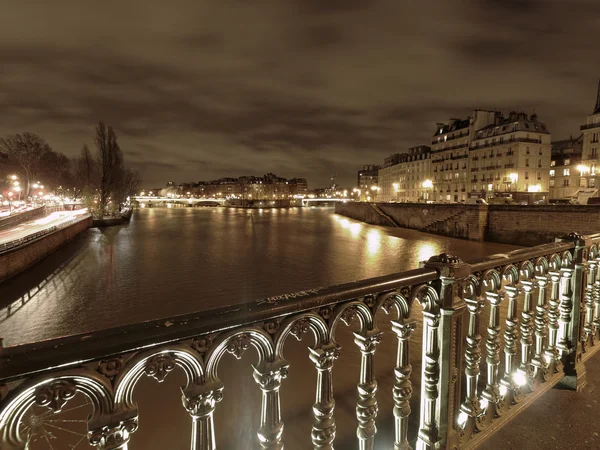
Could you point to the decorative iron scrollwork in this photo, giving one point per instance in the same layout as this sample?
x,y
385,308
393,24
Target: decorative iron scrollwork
x,y
300,328
110,368
238,345
202,344
159,366
55,394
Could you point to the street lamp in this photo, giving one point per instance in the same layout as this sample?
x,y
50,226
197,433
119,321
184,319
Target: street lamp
x,y
583,169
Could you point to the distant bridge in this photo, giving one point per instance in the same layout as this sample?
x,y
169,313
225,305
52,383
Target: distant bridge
x,y
307,201
180,201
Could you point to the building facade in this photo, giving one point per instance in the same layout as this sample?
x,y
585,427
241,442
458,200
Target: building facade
x,y
565,179
511,158
450,155
368,177
405,177
591,145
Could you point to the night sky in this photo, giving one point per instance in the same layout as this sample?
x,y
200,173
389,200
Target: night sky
x,y
204,89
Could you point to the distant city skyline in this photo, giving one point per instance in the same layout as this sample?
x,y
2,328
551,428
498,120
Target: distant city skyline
x,y
302,89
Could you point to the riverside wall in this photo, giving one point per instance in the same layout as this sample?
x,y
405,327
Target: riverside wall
x,y
509,224
20,258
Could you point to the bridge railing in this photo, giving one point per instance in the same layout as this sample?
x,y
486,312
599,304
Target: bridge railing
x,y
549,296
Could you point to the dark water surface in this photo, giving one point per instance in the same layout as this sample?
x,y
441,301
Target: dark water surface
x,y
175,261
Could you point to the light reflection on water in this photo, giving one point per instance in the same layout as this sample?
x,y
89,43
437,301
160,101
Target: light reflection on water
x,y
179,260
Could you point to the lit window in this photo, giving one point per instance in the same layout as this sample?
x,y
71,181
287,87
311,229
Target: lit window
x,y
567,162
552,163
552,173
551,183
566,172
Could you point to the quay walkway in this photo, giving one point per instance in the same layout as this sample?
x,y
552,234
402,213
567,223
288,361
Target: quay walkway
x,y
560,419
33,229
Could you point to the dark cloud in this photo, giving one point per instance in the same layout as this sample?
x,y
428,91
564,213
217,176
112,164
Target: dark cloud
x,y
306,88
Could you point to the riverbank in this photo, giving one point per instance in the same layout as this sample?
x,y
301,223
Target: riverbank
x,y
24,251
523,225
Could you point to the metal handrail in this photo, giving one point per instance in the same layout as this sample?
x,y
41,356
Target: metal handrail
x,y
23,360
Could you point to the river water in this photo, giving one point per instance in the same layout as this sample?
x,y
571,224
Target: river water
x,y
167,262
174,261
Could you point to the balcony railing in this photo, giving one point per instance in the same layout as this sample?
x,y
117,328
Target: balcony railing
x,y
589,126
549,296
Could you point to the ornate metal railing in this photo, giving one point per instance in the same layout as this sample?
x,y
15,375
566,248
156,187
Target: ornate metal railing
x,y
548,295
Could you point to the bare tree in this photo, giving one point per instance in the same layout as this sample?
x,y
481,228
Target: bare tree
x,y
127,185
55,170
109,160
25,151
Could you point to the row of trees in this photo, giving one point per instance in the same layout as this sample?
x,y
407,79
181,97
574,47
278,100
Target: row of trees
x,y
99,177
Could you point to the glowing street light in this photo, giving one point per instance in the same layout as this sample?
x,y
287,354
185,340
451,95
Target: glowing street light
x,y
513,177
583,169
427,184
13,177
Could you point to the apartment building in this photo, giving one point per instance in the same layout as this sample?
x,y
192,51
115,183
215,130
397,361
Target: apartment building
x,y
450,154
405,177
511,157
565,178
590,166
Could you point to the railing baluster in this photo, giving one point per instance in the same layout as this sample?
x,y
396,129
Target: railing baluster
x,y
565,308
201,406
541,321
269,377
366,408
470,407
402,390
511,335
589,335
114,436
323,430
524,372
430,377
552,354
491,392
597,297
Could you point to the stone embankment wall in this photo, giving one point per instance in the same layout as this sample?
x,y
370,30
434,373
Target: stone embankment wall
x,y
518,224
462,221
18,259
539,224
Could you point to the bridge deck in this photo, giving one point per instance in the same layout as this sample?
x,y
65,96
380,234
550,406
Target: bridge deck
x,y
559,419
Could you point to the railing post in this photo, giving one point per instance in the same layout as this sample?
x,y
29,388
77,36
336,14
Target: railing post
x,y
450,333
571,295
269,377
323,429
200,402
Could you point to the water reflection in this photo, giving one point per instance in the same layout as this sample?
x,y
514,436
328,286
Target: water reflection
x,y
179,260
373,242
425,250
